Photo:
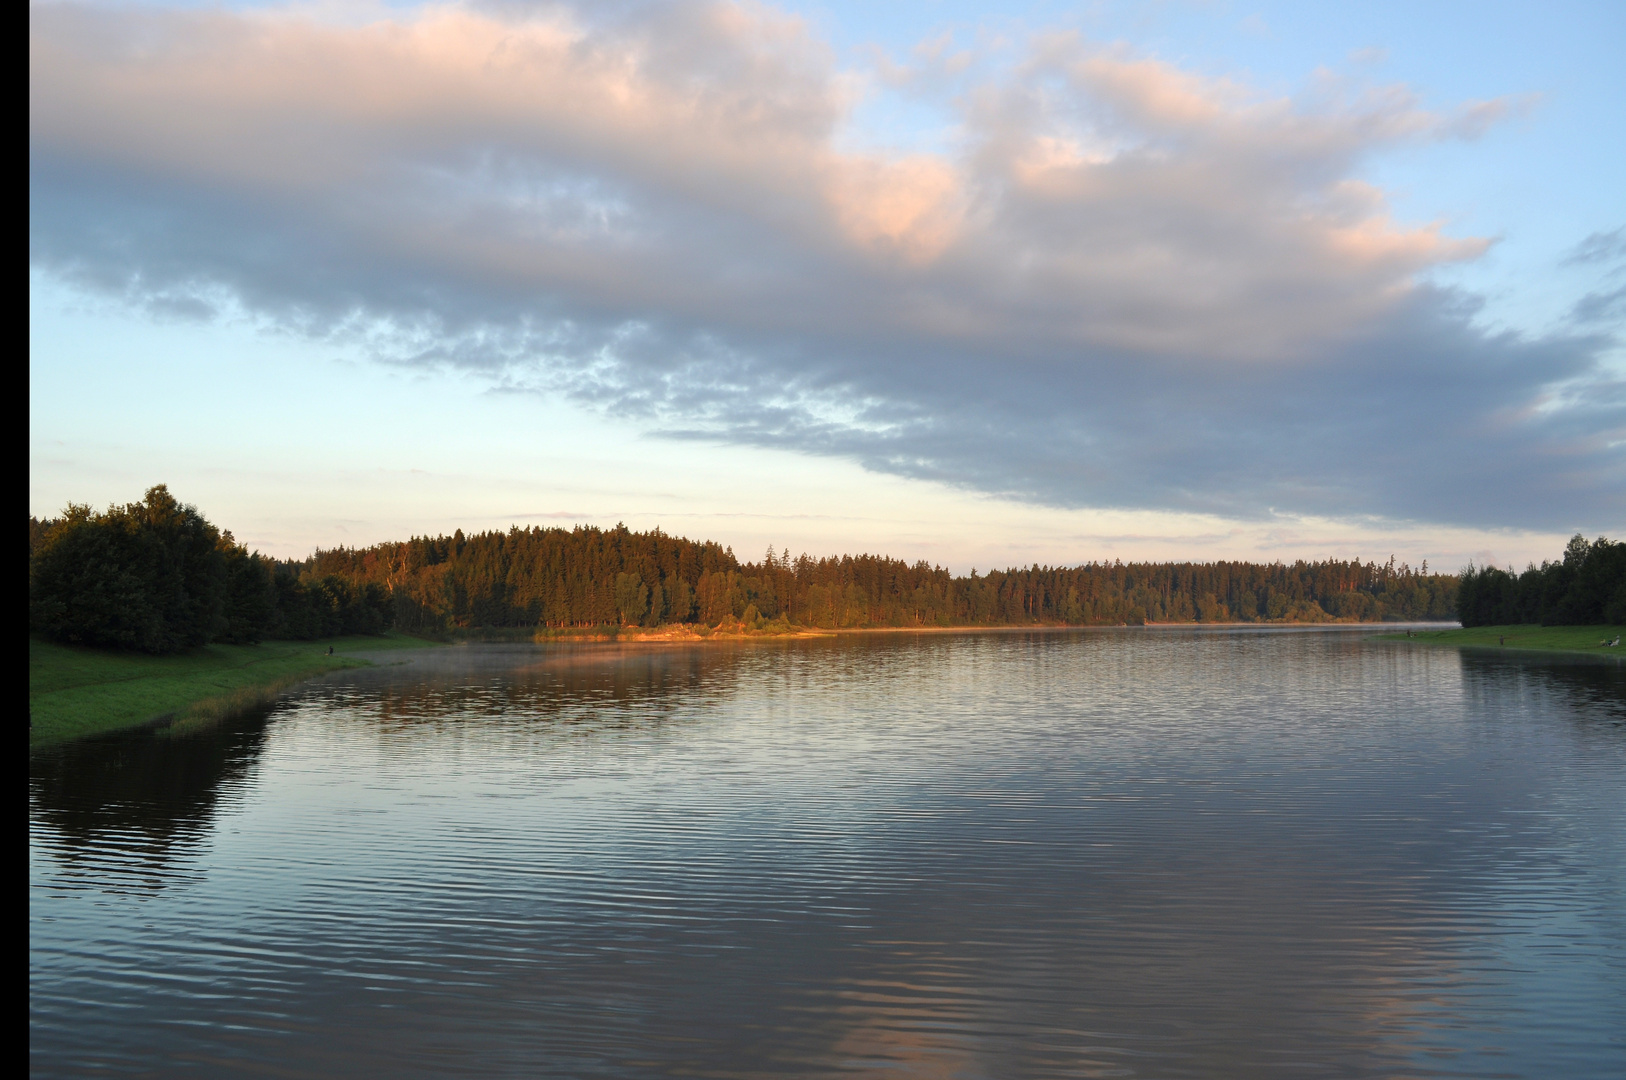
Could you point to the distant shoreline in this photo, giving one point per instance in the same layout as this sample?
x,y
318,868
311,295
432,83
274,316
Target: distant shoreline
x,y
688,633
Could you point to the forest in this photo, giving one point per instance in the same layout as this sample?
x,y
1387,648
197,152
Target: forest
x,y
591,577
157,576
1586,586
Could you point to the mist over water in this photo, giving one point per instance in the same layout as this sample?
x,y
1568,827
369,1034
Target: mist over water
x,y
1126,853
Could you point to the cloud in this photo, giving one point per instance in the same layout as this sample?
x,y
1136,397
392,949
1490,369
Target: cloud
x,y
1601,307
1128,285
1606,251
933,64
1599,247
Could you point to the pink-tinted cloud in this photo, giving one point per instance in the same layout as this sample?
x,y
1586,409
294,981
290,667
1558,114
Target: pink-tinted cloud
x,y
659,210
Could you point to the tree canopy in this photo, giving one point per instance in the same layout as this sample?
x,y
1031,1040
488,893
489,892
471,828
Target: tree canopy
x,y
157,576
1584,586
588,577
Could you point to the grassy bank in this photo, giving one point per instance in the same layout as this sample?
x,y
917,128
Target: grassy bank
x,y
75,691
1569,639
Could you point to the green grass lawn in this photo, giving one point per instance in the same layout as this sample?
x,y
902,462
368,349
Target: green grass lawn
x,y
75,691
1574,639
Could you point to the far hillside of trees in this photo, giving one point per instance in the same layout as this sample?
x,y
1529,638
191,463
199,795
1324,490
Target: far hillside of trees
x,y
587,577
157,576
1585,587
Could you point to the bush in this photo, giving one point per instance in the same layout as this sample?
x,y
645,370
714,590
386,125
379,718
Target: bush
x,y
157,577
148,576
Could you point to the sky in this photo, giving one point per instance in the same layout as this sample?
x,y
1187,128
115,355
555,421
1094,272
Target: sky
x,y
986,285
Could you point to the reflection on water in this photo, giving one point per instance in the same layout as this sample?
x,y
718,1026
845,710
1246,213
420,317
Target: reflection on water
x,y
116,808
1083,854
1581,689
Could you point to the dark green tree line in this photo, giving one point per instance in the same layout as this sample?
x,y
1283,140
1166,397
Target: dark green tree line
x,y
1586,586
158,577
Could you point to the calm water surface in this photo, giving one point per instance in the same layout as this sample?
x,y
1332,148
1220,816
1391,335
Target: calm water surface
x,y
1116,854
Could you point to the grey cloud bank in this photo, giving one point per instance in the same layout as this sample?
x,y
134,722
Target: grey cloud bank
x,y
1127,287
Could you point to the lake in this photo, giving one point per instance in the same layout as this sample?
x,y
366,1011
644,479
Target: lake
x,y
1114,853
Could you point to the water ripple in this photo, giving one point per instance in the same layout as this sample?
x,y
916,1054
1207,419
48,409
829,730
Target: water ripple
x,y
1114,854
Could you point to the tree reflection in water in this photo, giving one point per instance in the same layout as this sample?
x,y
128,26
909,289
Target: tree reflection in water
x,y
1019,855
139,800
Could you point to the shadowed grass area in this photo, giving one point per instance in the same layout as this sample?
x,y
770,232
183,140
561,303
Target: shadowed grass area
x,y
1576,639
75,691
